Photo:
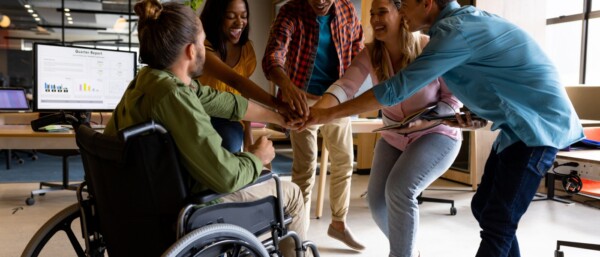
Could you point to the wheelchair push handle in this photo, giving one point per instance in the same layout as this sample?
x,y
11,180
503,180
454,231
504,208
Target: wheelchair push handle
x,y
146,127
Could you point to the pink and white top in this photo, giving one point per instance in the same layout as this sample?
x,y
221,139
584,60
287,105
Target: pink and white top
x,y
435,93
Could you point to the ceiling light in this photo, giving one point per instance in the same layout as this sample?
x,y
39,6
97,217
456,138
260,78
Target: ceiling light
x,y
70,22
120,24
37,19
29,10
70,18
34,15
67,14
4,21
27,6
67,10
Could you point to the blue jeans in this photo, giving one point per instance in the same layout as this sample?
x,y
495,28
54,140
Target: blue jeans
x,y
398,177
232,133
509,183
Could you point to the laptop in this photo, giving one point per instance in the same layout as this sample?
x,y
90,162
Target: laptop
x,y
13,99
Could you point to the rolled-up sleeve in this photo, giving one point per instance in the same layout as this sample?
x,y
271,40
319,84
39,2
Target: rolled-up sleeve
x,y
346,87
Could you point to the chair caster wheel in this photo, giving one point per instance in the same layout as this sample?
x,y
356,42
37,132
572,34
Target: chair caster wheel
x,y
559,253
30,201
20,161
453,211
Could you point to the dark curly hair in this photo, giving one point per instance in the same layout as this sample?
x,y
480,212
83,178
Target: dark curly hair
x,y
213,16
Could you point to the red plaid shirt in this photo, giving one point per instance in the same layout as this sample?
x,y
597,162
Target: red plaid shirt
x,y
294,39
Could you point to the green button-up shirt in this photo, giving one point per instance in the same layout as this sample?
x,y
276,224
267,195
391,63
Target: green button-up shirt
x,y
185,110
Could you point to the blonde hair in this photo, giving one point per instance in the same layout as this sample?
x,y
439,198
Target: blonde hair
x,y
410,46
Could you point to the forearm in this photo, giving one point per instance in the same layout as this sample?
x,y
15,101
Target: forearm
x,y
253,91
280,78
364,103
258,113
326,101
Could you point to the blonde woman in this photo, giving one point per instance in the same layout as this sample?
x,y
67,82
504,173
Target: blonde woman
x,y
403,164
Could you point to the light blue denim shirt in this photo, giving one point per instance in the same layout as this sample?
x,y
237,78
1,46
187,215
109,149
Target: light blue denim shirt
x,y
498,72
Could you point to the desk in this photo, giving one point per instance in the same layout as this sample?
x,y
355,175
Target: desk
x,y
365,151
23,137
588,169
591,156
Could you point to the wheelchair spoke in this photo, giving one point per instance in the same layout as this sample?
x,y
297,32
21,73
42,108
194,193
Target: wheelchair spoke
x,y
74,242
62,221
216,240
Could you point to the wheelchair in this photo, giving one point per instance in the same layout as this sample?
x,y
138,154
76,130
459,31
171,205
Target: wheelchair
x,y
136,201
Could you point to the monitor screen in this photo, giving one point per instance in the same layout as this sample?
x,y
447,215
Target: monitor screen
x,y
73,78
13,99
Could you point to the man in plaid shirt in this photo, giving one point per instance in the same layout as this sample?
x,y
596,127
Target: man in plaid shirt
x,y
311,44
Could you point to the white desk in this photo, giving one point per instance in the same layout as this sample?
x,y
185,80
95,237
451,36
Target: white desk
x,y
364,149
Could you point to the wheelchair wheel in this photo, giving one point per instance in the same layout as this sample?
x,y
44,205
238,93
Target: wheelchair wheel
x,y
217,240
62,221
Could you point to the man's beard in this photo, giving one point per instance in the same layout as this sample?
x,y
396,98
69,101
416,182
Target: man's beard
x,y
199,66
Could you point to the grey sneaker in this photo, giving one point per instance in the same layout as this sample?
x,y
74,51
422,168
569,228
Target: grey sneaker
x,y
345,237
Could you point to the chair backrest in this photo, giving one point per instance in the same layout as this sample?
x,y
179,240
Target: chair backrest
x,y
138,187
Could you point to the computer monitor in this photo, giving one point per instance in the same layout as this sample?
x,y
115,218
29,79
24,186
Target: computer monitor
x,y
80,79
13,99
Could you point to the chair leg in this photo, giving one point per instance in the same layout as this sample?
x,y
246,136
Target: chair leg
x,y
421,199
54,186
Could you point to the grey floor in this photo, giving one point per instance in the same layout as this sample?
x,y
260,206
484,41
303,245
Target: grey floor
x,y
439,234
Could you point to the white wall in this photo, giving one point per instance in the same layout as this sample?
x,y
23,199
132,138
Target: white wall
x,y
260,23
529,15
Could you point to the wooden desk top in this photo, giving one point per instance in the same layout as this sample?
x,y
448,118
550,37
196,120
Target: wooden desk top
x,y
590,123
24,118
26,131
363,125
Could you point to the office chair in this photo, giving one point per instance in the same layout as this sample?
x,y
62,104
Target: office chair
x,y
422,199
139,204
559,243
14,155
46,187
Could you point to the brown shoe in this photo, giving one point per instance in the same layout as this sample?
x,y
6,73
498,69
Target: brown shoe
x,y
346,238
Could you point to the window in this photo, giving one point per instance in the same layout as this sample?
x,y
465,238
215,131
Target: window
x,y
572,39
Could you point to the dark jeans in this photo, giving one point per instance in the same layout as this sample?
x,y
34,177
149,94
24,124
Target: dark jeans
x,y
232,133
509,183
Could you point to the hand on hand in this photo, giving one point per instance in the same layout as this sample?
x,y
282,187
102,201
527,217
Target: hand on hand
x,y
263,149
296,99
317,116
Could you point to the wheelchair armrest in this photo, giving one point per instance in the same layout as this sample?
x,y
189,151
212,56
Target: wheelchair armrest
x,y
209,195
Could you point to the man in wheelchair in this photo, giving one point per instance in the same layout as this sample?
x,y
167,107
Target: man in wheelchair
x,y
172,45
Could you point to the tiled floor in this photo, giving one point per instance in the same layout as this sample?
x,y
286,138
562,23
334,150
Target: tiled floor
x,y
440,235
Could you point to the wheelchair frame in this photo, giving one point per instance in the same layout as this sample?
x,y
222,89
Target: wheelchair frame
x,y
208,237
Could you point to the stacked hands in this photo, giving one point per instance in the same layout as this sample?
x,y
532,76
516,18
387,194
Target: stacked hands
x,y
295,114
298,115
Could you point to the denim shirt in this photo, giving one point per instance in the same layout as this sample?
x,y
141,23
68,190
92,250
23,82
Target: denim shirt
x,y
498,72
